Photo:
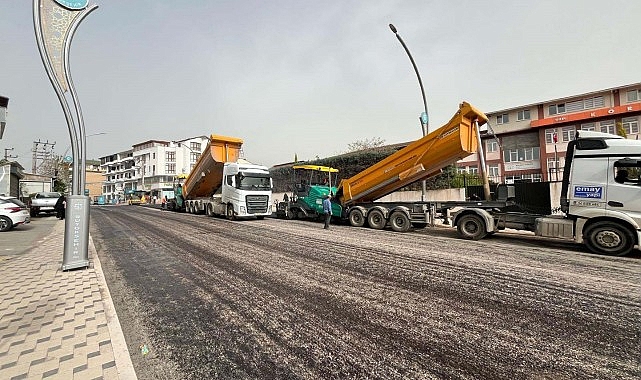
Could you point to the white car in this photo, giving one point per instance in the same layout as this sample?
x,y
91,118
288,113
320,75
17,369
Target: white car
x,y
12,213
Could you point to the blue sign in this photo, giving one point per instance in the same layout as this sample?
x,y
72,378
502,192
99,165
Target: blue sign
x,y
74,5
593,192
68,159
423,118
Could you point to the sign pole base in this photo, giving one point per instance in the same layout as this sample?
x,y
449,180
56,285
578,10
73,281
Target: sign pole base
x,y
76,249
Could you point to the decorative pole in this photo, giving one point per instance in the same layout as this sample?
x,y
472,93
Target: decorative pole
x,y
55,23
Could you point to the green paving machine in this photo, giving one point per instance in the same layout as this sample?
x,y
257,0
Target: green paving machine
x,y
309,185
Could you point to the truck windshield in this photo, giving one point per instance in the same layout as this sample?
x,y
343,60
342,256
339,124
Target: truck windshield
x,y
252,181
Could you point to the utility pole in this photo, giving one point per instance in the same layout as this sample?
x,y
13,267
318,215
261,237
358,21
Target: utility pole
x,y
7,155
43,154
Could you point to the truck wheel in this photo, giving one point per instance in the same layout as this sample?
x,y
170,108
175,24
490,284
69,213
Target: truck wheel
x,y
399,221
5,224
356,218
210,210
376,220
291,214
33,213
608,238
230,212
471,227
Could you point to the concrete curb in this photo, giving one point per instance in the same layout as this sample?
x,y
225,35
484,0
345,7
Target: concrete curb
x,y
121,353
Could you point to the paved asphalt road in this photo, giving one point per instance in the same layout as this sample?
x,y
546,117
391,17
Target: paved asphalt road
x,y
275,299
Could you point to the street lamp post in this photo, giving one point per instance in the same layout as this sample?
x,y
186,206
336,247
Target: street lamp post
x,y
424,118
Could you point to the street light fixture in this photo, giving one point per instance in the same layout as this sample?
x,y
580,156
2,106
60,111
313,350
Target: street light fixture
x,y
424,118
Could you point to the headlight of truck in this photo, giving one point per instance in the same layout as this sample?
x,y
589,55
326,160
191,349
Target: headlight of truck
x,y
242,210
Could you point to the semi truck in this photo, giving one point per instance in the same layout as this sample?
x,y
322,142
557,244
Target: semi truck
x,y
600,199
222,183
599,208
354,198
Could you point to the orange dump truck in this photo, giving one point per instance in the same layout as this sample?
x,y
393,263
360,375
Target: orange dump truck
x,y
221,183
417,161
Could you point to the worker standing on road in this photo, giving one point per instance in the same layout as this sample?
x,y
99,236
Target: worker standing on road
x,y
327,210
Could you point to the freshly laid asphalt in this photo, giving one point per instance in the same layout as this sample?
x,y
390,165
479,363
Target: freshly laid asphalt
x,y
55,324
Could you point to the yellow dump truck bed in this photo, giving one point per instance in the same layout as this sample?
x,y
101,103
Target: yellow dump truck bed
x,y
419,160
207,175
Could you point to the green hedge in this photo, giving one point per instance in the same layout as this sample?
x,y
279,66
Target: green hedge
x,y
350,164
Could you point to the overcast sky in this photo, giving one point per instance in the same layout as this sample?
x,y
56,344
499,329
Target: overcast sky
x,y
306,77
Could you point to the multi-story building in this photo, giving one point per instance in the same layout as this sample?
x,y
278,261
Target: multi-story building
x,y
529,142
150,167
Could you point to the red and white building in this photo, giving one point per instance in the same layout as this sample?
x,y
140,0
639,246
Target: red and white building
x,y
529,141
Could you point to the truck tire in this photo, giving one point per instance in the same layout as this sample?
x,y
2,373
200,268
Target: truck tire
x,y
471,227
399,221
33,212
210,210
230,212
291,213
376,220
609,238
5,224
356,218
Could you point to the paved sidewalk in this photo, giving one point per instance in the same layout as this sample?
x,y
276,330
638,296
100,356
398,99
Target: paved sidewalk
x,y
55,324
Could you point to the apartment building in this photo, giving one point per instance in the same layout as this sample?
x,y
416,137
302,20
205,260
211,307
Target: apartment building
x,y
149,167
528,143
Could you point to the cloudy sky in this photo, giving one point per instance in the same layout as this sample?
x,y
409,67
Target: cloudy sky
x,y
306,77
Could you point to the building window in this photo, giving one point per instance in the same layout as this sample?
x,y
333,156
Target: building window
x,y
567,134
557,108
493,170
153,155
194,146
170,168
502,119
634,95
193,157
536,177
607,126
473,169
492,146
551,162
523,115
522,154
551,136
461,169
588,127
630,125
170,156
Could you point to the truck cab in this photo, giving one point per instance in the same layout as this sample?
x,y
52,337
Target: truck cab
x,y
602,191
600,199
245,191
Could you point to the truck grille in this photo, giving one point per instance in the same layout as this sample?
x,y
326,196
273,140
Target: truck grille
x,y
257,204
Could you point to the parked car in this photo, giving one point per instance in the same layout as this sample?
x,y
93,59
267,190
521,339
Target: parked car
x,y
43,202
12,213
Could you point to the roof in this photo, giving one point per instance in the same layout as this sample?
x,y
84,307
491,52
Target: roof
x,y
316,167
563,99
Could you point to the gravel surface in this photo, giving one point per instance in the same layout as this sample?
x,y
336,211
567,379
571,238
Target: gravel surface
x,y
276,299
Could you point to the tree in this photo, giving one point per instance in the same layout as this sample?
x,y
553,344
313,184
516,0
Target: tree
x,y
56,168
357,145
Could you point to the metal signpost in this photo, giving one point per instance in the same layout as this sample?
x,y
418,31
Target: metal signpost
x,y
55,23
